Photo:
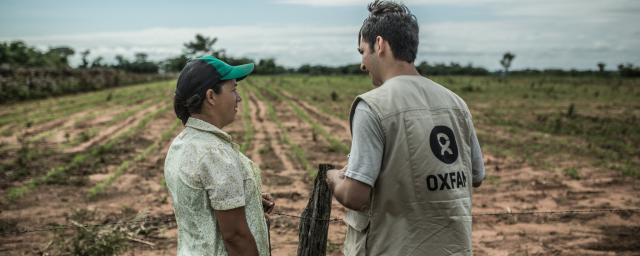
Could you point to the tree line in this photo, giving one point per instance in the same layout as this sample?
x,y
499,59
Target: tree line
x,y
17,54
27,72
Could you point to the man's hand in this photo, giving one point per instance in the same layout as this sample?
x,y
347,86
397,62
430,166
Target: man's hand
x,y
351,193
267,203
335,176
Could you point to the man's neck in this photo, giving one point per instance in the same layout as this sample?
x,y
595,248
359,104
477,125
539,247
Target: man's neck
x,y
399,68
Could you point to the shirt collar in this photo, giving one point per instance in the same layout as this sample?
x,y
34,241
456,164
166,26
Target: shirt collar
x,y
207,127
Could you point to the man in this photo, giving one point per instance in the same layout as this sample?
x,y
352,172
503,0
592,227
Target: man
x,y
414,154
214,187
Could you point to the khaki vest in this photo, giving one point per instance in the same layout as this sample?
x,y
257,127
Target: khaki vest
x,y
421,201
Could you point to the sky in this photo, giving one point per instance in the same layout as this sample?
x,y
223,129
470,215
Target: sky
x,y
541,33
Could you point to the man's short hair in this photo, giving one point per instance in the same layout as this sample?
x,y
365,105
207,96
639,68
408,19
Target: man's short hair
x,y
395,23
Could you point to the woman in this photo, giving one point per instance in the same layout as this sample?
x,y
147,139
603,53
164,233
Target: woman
x,y
214,187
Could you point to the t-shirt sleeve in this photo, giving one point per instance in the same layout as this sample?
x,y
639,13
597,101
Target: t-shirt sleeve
x,y
367,147
477,162
223,180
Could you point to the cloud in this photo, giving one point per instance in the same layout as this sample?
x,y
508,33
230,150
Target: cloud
x,y
365,2
565,9
289,45
565,42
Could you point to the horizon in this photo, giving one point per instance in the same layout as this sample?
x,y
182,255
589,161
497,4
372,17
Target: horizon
x,y
542,34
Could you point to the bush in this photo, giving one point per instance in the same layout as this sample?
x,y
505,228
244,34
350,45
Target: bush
x,y
33,83
91,239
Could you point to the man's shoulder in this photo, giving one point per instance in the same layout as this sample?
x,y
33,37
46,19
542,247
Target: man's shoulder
x,y
432,85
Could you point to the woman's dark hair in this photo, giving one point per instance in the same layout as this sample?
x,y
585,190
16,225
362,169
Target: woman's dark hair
x,y
195,79
395,23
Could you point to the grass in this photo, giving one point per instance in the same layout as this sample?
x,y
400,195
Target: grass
x,y
572,172
320,91
246,121
30,113
542,120
81,158
296,151
90,132
101,186
335,145
561,118
86,134
87,239
126,98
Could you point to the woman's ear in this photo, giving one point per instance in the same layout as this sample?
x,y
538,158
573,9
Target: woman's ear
x,y
211,97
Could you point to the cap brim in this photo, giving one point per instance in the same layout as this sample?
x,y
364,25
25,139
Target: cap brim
x,y
239,72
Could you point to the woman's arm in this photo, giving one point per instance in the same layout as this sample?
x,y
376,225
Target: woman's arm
x,y
235,232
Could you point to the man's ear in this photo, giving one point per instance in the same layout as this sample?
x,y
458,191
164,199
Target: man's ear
x,y
379,46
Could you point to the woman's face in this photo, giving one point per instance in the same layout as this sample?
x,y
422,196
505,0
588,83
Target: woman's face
x,y
226,105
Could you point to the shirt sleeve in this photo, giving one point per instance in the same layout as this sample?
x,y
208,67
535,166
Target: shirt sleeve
x,y
367,147
477,162
222,179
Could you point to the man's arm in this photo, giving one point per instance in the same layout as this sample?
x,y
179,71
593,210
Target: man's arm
x,y
235,231
354,190
477,161
351,193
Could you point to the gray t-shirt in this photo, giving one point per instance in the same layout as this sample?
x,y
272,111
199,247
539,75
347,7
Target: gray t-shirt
x,y
367,148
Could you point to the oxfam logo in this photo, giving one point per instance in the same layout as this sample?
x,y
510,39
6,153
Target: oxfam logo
x,y
443,144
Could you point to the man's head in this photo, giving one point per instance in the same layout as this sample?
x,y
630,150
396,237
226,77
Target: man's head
x,y
389,25
207,86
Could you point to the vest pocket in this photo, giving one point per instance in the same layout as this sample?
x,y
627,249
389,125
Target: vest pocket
x,y
357,220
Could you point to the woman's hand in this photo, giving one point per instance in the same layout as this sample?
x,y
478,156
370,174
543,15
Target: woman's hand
x,y
267,203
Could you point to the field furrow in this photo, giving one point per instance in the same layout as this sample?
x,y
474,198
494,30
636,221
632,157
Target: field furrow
x,y
552,146
297,136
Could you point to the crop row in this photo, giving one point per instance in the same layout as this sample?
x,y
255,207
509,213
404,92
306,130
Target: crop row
x,y
82,158
100,187
296,151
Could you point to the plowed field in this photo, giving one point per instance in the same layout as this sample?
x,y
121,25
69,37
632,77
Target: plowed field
x,y
561,156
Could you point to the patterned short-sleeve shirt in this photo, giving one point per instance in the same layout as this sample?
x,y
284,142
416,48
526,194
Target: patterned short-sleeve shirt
x,y
205,171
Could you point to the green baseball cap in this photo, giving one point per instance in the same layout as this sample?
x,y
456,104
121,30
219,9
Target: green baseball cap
x,y
226,71
202,73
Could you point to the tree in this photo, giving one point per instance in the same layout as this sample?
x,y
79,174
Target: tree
x,y
97,62
507,58
121,61
628,70
85,61
201,45
59,56
601,66
140,64
175,64
141,57
18,54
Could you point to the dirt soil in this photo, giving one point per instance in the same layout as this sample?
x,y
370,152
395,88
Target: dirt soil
x,y
511,186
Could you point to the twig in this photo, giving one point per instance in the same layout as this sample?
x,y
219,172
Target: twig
x,y
141,241
78,224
